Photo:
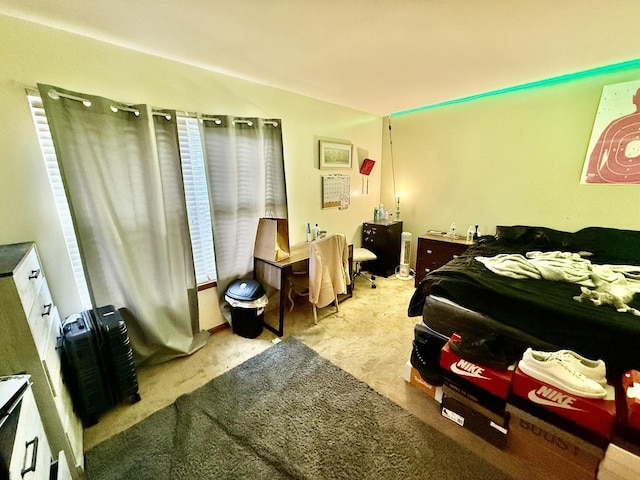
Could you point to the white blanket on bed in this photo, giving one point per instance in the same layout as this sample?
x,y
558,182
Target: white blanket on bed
x,y
562,267
620,282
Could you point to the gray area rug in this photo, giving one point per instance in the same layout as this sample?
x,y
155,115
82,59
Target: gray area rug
x,y
285,414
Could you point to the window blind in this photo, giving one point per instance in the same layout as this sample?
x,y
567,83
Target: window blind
x,y
197,198
55,178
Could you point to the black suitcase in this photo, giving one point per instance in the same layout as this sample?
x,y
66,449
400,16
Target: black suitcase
x,y
117,354
98,362
83,368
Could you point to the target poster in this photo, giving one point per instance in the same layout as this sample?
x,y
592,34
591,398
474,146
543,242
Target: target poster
x,y
613,156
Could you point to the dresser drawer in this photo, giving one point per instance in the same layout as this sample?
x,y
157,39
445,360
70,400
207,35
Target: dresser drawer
x,y
434,252
28,277
39,317
62,471
50,354
31,456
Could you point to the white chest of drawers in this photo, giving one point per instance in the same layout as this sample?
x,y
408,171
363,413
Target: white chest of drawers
x,y
29,329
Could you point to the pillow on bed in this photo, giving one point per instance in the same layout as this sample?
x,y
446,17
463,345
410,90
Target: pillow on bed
x,y
607,245
541,237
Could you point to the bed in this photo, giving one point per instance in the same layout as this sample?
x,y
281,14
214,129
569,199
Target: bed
x,y
466,297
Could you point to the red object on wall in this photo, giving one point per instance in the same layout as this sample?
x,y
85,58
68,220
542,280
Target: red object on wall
x,y
367,166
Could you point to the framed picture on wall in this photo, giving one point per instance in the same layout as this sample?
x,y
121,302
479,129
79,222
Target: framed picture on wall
x,y
335,155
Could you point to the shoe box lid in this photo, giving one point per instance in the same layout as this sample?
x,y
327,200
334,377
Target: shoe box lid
x,y
598,415
412,376
494,381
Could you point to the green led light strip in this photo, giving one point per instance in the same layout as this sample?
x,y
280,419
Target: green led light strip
x,y
561,78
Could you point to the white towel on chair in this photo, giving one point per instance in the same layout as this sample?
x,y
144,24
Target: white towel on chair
x,y
328,269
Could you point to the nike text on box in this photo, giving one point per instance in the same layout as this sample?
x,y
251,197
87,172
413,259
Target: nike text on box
x,y
412,376
494,381
493,430
567,456
597,415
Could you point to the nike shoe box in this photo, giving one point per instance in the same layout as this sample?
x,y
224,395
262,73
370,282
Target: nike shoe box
x,y
562,454
496,382
631,388
413,377
491,425
595,415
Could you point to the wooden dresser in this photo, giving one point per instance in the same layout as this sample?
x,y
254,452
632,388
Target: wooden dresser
x,y
435,250
29,330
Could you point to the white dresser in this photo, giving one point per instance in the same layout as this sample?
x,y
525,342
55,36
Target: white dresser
x,y
25,453
29,329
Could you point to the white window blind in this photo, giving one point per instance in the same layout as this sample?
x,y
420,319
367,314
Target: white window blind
x,y
64,214
197,198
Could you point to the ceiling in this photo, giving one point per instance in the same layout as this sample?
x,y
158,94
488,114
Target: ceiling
x,y
375,56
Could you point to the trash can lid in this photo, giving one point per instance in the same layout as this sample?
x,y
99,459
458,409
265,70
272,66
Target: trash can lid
x,y
245,290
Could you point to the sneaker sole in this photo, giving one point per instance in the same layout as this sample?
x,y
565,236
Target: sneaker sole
x,y
556,382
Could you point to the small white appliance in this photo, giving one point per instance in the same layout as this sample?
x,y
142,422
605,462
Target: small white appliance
x,y
405,252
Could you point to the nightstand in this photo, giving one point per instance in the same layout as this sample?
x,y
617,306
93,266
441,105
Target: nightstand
x,y
435,250
383,239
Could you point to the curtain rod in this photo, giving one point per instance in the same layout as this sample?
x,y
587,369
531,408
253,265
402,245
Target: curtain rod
x,y
54,94
217,121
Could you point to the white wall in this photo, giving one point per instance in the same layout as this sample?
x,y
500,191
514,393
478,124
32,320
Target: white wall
x,y
514,158
34,54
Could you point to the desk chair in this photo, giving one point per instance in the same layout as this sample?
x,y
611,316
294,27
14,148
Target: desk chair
x,y
363,255
328,274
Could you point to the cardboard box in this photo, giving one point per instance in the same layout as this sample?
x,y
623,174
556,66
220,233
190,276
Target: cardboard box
x,y
598,415
620,464
497,382
566,455
412,376
490,428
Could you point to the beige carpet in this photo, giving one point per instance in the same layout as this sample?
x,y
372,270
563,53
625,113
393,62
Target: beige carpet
x,y
370,337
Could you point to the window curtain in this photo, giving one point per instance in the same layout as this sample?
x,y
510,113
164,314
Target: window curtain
x,y
121,170
245,174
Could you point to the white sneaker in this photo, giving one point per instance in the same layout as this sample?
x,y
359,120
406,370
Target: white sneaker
x,y
594,369
557,371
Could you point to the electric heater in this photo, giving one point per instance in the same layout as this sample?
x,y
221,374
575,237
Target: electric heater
x,y
405,252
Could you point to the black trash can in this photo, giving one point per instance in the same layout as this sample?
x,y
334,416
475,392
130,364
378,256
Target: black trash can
x,y
247,301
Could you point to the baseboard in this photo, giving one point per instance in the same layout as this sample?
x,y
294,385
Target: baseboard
x,y
218,328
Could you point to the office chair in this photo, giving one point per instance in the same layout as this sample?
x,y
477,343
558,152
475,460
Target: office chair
x,y
363,255
328,274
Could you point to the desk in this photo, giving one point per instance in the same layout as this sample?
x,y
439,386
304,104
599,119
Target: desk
x,y
274,274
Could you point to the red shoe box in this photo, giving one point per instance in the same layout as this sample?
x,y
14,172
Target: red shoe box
x,y
494,381
631,387
597,415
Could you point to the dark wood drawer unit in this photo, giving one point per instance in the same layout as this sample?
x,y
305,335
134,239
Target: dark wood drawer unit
x,y
436,250
383,239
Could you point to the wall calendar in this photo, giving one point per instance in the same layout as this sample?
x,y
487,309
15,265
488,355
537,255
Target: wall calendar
x,y
336,191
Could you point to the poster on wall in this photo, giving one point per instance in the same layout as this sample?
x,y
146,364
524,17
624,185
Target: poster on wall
x,y
613,156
